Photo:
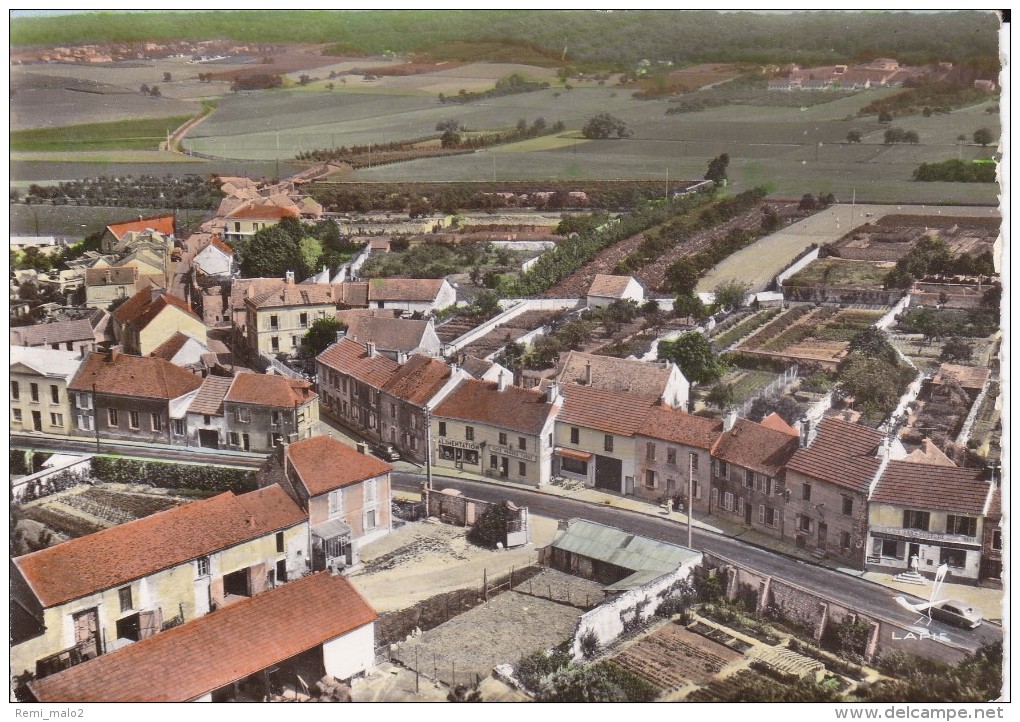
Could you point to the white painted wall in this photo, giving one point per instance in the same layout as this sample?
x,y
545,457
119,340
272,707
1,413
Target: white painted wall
x,y
350,654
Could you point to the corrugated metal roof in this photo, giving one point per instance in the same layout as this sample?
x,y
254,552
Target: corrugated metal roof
x,y
615,546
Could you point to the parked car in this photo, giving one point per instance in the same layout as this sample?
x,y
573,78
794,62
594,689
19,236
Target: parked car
x,y
386,451
957,613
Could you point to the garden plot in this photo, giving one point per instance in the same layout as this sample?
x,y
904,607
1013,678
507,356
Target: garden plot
x,y
655,658
814,335
890,237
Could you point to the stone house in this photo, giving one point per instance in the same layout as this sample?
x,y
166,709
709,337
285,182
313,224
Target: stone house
x,y
345,493
151,317
262,411
642,378
77,335
606,290
38,389
103,286
673,447
94,594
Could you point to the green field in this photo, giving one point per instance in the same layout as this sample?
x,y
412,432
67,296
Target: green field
x,y
144,134
836,273
81,221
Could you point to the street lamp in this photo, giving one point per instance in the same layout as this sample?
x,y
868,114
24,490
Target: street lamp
x,y
690,498
428,446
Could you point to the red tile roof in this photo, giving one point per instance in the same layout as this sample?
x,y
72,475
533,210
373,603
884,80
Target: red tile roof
x,y
418,380
301,295
776,422
147,304
186,662
843,454
217,243
209,399
163,540
752,446
616,374
123,375
605,286
404,289
969,377
170,348
263,212
161,224
350,357
681,428
269,390
925,486
324,464
613,412
523,410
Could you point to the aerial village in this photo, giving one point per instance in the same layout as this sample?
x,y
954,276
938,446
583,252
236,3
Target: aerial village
x,y
371,477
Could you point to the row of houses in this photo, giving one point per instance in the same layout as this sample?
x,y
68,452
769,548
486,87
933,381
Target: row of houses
x,y
839,490
92,616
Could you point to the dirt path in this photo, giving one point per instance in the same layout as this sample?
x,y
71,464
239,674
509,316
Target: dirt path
x,y
423,559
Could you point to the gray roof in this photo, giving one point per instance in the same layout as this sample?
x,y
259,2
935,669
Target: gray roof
x,y
43,334
648,558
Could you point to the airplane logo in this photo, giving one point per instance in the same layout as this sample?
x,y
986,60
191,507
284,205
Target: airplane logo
x,y
924,609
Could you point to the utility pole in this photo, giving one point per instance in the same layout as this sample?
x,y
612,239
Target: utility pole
x,y
428,447
690,498
853,207
95,414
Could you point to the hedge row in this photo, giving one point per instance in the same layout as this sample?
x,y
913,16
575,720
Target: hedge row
x,y
172,476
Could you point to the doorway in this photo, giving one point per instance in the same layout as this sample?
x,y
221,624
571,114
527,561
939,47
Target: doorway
x,y
210,438
37,421
608,473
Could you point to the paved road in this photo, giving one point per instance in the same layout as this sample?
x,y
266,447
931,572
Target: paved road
x,y
872,599
159,453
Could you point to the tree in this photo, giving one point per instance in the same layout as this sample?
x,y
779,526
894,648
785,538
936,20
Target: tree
x,y
450,139
694,355
167,77
854,136
956,349
304,79
490,528
721,395
717,168
807,202
155,92
144,90
983,136
872,343
522,125
272,251
786,406
604,126
885,117
689,305
322,335
730,294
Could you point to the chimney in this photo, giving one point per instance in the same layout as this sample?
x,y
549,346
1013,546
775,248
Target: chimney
x,y
401,358
340,334
114,355
730,419
805,433
289,276
587,373
370,347
361,448
502,383
553,392
883,449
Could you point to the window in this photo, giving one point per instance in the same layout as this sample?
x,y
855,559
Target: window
x,y
955,558
997,540
15,391
442,428
274,322
133,419
607,443
233,439
740,505
242,415
803,523
277,418
844,540
720,469
575,434
892,549
767,515
179,427
393,410
650,479
502,439
55,394
848,506
728,501
469,433
206,419
202,566
522,469
16,414
34,388
275,439
370,519
522,443
274,343
650,451
915,519
370,491
805,491
343,384
124,593
303,320
671,456
336,505
714,501
694,461
157,422
963,525
493,461
112,416
56,419
279,541
573,466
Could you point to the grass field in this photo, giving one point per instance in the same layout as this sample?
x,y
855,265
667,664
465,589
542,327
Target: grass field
x,y
81,221
144,134
836,273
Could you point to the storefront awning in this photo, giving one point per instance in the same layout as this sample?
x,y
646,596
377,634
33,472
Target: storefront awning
x,y
332,529
574,454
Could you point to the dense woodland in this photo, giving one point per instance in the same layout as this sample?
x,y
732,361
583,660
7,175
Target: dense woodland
x,y
613,39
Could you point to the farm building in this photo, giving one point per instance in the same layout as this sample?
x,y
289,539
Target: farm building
x,y
605,290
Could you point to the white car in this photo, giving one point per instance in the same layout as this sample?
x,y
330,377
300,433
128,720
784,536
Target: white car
x,y
957,613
